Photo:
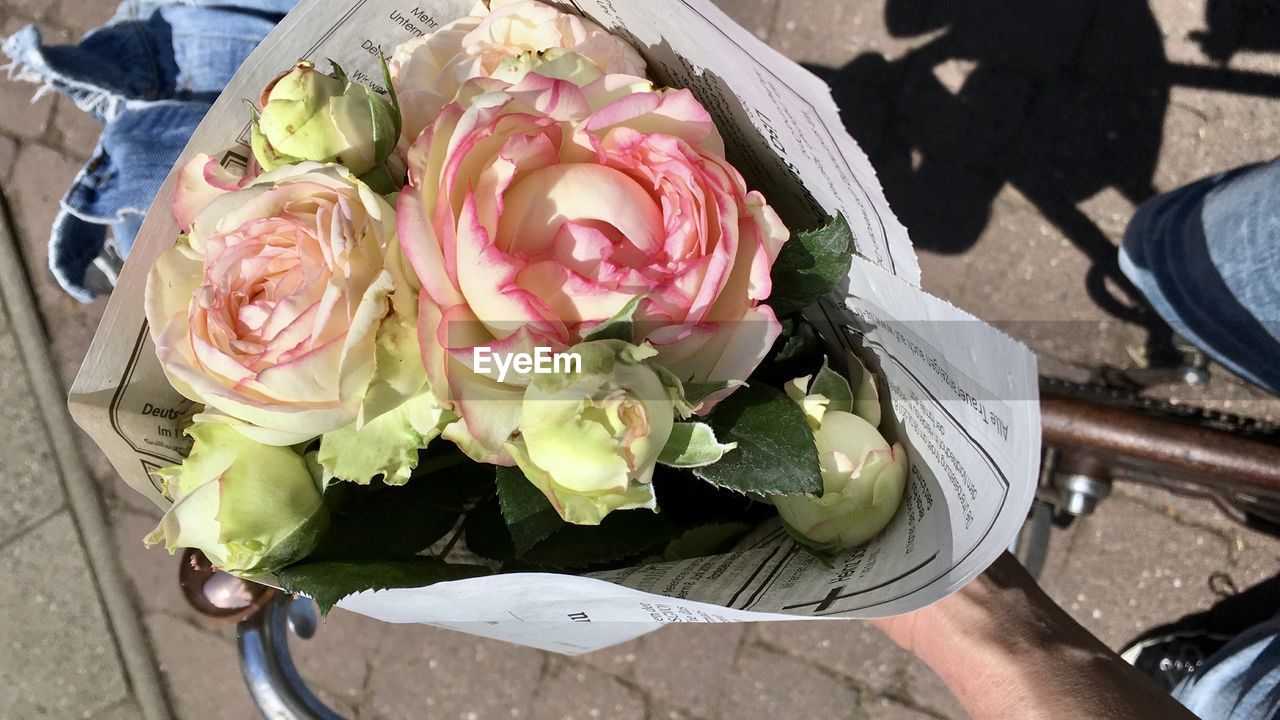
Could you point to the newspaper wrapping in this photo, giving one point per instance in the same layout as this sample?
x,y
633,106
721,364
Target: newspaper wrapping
x,y
962,396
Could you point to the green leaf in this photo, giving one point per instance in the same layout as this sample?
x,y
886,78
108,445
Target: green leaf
x,y
397,119
329,582
798,343
775,455
834,387
528,514
379,520
811,264
705,540
692,444
487,534
689,502
380,180
619,327
621,535
696,392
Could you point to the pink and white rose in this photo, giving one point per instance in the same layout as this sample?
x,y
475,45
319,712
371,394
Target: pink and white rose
x,y
536,211
506,39
273,306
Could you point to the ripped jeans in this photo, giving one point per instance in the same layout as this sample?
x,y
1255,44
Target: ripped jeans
x,y
150,74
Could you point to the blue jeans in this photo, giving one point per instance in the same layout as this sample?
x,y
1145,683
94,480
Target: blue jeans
x,y
1207,257
1240,681
149,74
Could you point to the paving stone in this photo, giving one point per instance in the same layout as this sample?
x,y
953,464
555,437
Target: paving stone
x,y
1130,568
421,671
758,16
1254,557
127,710
79,17
1240,35
117,495
12,20
1214,132
618,660
686,665
574,691
8,154
927,691
110,484
660,711
1133,59
1109,210
851,648
769,684
337,660
886,709
201,669
152,572
1061,549
1181,22
22,117
78,130
59,658
1186,510
44,176
831,34
28,11
32,488
993,283
984,115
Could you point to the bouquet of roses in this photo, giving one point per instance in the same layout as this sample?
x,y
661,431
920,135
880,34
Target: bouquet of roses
x,y
517,313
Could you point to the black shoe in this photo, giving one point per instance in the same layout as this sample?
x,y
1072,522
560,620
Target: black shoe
x,y
1168,656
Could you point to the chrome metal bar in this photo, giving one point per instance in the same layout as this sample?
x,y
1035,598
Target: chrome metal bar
x,y
267,666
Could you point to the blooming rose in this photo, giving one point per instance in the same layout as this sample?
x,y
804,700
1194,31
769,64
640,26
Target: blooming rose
x,y
590,438
273,306
251,508
538,210
863,479
310,115
506,40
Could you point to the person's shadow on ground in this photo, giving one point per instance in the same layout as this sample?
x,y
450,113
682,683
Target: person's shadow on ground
x,y
1060,98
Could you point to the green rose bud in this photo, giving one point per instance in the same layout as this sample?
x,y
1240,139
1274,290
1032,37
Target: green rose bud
x,y
250,508
310,115
863,479
589,439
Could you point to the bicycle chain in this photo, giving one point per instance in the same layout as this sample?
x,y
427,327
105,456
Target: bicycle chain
x,y
1189,414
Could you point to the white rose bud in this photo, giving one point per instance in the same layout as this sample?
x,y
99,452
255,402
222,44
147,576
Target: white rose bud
x,y
310,115
863,479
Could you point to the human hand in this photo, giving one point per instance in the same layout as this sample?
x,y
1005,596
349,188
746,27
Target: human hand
x,y
1008,651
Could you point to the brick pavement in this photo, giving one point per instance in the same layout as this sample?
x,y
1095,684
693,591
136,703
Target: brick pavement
x,y
1014,146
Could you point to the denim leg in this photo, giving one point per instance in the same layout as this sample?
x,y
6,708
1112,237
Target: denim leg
x,y
1240,681
1207,257
150,74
